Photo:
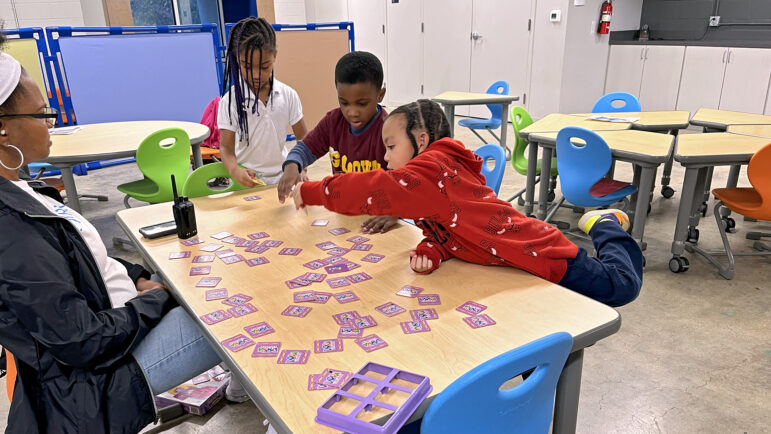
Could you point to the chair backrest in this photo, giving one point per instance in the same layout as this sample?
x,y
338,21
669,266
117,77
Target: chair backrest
x,y
475,402
497,88
581,166
520,119
494,176
605,103
197,182
759,174
158,161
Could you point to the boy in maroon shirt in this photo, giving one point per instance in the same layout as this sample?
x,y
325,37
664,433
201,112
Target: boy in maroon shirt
x,y
351,134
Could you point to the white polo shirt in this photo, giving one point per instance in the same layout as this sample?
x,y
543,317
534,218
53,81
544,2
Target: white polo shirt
x,y
264,151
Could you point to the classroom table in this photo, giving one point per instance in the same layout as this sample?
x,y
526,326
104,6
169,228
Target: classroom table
x,y
452,98
645,150
111,140
751,130
552,123
699,153
524,306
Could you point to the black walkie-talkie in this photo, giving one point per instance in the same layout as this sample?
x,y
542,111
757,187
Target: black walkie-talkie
x,y
184,214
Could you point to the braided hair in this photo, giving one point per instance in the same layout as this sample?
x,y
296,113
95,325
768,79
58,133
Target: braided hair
x,y
248,36
424,114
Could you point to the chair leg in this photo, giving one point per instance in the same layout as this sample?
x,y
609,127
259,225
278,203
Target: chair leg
x,y
554,209
120,242
497,139
99,197
477,134
126,201
726,271
757,235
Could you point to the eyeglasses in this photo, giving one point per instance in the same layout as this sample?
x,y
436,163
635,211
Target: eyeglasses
x,y
49,114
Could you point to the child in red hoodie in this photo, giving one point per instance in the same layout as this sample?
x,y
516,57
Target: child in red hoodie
x,y
437,182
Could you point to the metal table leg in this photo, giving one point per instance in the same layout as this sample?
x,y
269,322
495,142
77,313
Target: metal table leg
x,y
197,158
733,176
543,193
632,211
568,392
449,112
647,179
69,186
666,190
532,167
504,129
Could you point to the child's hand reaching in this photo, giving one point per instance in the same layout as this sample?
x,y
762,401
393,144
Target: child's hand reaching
x,y
380,224
298,197
420,263
288,180
244,177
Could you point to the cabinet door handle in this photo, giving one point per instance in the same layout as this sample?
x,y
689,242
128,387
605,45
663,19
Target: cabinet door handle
x,y
730,53
646,52
723,61
642,52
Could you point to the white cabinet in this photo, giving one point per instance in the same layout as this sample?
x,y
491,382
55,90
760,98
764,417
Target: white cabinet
x,y
661,77
702,78
745,85
405,51
625,68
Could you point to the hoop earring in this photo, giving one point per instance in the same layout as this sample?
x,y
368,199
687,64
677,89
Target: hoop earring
x,y
21,157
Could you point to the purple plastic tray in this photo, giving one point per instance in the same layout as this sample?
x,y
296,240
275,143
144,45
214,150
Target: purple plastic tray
x,y
349,423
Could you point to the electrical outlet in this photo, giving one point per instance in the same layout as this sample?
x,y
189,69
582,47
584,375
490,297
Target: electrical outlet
x,y
714,21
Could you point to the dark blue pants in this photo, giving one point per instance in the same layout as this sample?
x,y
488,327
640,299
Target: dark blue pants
x,y
614,277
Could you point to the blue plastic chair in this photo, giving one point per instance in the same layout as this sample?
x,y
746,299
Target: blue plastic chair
x,y
496,110
494,176
605,103
475,403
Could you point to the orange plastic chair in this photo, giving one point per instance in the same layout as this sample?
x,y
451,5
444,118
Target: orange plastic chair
x,y
753,202
208,153
10,374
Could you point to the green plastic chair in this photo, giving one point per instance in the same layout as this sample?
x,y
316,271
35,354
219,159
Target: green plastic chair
x,y
197,182
521,119
157,163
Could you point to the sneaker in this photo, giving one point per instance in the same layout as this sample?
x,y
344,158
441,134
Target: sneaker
x,y
218,182
235,391
589,219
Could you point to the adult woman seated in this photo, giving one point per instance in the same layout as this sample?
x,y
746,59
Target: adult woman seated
x,y
94,339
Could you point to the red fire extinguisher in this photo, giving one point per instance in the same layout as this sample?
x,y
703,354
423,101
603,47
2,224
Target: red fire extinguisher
x,y
605,13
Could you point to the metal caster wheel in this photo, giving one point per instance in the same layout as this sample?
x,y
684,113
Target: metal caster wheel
x,y
579,210
562,225
667,191
520,201
644,261
649,209
730,224
703,209
693,235
551,196
678,264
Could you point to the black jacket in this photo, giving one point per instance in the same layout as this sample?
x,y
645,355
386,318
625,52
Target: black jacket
x,y
72,350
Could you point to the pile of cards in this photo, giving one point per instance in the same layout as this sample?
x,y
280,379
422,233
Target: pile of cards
x,y
409,291
305,280
328,379
312,297
337,282
477,319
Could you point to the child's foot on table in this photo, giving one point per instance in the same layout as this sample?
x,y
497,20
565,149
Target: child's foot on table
x,y
589,219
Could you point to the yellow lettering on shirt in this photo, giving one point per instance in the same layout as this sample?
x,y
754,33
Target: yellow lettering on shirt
x,y
335,157
341,164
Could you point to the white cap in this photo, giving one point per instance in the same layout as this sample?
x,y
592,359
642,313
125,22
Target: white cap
x,y
10,72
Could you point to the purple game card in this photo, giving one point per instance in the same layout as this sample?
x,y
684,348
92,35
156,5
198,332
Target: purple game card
x,y
359,277
290,251
258,330
252,197
338,282
293,357
246,243
200,271
294,284
257,248
266,349
345,297
237,342
304,296
373,257
349,332
208,282
216,294
358,239
313,265
326,245
322,297
257,261
211,247
344,318
203,258
320,222
232,259
258,235
225,253
390,309
339,231
415,326
328,345
272,243
362,247
337,251
179,255
215,317
424,314
237,299
192,241
428,299
221,235
363,322
479,321
471,308
296,311
409,291
242,309
371,343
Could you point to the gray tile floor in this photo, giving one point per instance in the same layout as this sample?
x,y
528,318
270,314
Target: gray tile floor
x,y
693,353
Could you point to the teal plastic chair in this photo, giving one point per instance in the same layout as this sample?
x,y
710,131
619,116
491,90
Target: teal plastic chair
x,y
157,163
605,103
496,112
521,119
494,176
196,184
474,402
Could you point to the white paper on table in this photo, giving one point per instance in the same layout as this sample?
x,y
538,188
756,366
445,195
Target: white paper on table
x,y
611,119
63,131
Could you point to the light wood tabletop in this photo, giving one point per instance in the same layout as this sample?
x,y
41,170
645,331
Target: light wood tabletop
x,y
721,119
463,98
557,121
640,143
653,120
751,130
524,306
114,140
717,147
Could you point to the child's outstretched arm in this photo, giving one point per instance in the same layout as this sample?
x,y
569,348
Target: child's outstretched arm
x,y
309,148
228,152
427,256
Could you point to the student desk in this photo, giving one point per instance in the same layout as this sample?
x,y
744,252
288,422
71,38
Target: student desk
x,y
699,153
450,99
525,307
109,141
751,130
645,150
552,123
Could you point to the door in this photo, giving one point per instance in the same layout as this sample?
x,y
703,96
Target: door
x,y
702,78
369,27
625,68
500,48
661,77
745,85
447,49
404,45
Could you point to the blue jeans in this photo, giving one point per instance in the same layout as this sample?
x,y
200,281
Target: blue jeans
x,y
614,277
174,352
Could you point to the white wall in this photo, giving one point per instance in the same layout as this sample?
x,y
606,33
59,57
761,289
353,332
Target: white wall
x,y
548,49
290,11
31,13
626,14
93,13
326,11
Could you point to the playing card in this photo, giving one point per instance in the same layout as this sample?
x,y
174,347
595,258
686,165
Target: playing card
x,y
339,231
428,299
313,265
297,311
313,385
232,259
409,291
216,294
362,247
478,321
363,322
208,282
338,268
251,198
266,349
326,245
294,284
200,271
358,277
349,331
179,255
304,296
315,277
338,282
345,297
236,299
371,343
345,318
320,222
333,377
293,357
237,342
290,251
272,243
215,317
424,314
259,329
203,258
231,240
328,345
390,309
191,241
322,297
246,243
242,309
221,235
330,260
337,251
415,326
258,235
358,239
257,248
257,261
210,247
471,308
373,257
225,253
